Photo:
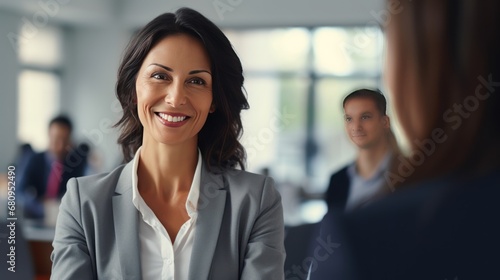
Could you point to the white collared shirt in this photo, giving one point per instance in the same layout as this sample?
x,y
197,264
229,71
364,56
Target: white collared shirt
x,y
160,259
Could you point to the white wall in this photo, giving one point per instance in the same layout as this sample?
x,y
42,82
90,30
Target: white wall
x,y
9,68
262,13
90,69
226,13
79,12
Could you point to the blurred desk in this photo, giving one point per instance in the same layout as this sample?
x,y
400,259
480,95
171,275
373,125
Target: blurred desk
x,y
40,239
33,232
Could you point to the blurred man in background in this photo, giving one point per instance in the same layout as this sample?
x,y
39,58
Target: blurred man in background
x,y
369,129
47,173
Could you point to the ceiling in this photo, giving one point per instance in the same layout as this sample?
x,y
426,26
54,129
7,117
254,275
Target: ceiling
x,y
225,13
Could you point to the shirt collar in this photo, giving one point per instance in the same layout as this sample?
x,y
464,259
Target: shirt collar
x,y
382,167
192,199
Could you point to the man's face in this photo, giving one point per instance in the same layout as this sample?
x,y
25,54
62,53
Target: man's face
x,y
59,140
364,123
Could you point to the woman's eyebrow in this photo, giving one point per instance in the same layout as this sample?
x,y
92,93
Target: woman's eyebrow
x,y
163,66
199,71
172,70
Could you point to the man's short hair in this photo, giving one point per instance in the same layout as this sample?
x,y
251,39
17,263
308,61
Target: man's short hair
x,y
62,120
373,94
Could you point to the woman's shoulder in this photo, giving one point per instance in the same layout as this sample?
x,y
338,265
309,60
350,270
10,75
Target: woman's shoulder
x,y
98,185
247,184
237,174
246,179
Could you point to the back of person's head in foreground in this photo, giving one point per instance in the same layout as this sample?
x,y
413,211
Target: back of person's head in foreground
x,y
444,74
218,138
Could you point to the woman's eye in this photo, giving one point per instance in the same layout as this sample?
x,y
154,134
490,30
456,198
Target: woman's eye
x,y
197,81
159,76
347,119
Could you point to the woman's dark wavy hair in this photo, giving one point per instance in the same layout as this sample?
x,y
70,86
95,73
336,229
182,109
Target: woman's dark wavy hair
x,y
218,139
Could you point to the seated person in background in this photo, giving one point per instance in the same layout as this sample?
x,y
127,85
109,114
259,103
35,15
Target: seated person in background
x,y
368,127
47,173
443,70
360,182
22,158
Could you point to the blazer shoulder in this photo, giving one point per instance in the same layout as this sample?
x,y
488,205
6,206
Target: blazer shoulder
x,y
340,173
98,185
37,159
250,185
338,188
244,175
245,179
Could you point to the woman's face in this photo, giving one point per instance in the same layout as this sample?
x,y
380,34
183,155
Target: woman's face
x,y
174,91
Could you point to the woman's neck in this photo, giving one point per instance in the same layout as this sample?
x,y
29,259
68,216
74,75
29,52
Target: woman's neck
x,y
166,171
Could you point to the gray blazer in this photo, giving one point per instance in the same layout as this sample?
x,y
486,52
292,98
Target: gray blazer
x,y
239,230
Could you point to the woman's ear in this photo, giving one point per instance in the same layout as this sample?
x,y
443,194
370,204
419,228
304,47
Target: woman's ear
x,y
212,108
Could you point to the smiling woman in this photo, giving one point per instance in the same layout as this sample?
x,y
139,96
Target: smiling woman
x,y
174,92
178,209
218,139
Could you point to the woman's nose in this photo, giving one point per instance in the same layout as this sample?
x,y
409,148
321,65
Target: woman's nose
x,y
176,95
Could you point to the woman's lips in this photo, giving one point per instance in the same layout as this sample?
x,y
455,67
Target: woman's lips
x,y
171,119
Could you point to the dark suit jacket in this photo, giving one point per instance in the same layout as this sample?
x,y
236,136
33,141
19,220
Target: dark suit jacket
x,y
298,238
338,190
36,174
442,229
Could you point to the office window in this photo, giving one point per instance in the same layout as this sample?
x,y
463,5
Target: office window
x,y
347,51
272,50
39,84
41,49
38,96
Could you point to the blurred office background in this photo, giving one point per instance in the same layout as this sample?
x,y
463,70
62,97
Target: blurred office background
x,y
300,59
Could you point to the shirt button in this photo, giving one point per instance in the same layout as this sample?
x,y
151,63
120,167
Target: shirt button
x,y
169,261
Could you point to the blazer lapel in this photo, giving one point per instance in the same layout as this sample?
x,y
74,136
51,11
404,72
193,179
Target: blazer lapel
x,y
126,222
211,204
